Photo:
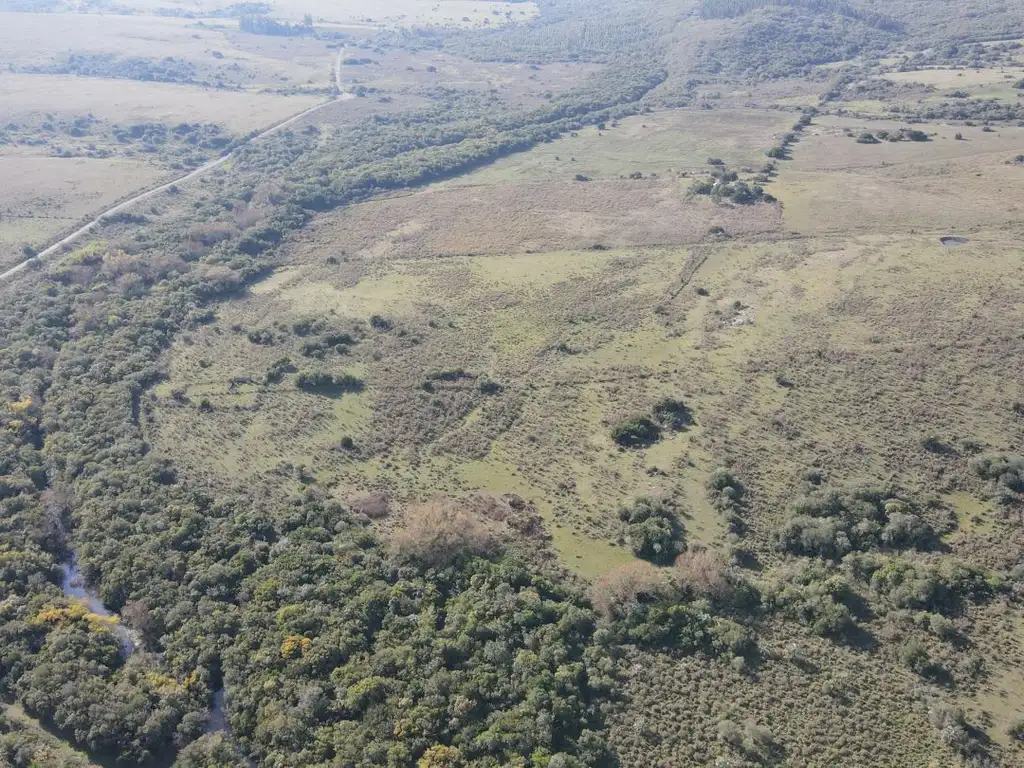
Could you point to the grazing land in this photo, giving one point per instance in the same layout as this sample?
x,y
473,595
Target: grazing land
x,y
580,385
45,195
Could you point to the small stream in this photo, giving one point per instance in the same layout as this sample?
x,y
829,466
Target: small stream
x,y
74,587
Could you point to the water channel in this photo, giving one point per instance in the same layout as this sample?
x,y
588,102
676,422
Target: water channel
x,y
74,587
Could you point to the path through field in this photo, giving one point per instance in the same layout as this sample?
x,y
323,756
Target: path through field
x,y
124,205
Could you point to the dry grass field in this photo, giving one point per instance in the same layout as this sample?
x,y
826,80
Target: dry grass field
x,y
215,48
836,185
391,13
43,196
664,143
126,101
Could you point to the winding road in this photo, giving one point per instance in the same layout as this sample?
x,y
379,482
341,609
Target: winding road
x,y
124,205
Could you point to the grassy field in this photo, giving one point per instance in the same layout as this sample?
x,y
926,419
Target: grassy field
x,y
396,71
578,339
836,185
665,143
216,50
42,196
128,101
392,13
806,293
949,78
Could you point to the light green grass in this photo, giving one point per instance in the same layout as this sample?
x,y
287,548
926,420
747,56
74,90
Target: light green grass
x,y
664,143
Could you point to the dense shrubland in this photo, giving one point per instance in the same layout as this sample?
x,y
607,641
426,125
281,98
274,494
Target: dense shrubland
x,y
773,42
830,523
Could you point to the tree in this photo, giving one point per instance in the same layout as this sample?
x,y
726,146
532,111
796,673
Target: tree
x,y
636,432
653,530
214,750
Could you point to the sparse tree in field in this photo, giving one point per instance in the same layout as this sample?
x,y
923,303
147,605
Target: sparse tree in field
x,y
654,531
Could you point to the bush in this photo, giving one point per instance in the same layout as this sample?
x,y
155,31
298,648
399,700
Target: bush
x,y
867,138
1005,470
636,432
830,523
324,383
701,573
262,336
817,599
726,493
278,369
380,323
654,532
914,656
439,533
672,414
620,592
942,589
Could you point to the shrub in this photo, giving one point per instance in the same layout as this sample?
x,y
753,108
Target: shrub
x,y
261,336
314,380
942,627
701,573
867,138
818,599
439,533
325,383
672,414
489,387
308,325
618,593
636,432
380,323
278,369
730,733
1005,470
726,493
830,523
654,532
914,656
932,588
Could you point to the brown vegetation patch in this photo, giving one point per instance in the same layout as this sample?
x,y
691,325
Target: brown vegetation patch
x,y
515,218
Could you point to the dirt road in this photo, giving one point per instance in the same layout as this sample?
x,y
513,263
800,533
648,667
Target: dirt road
x,y
92,224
